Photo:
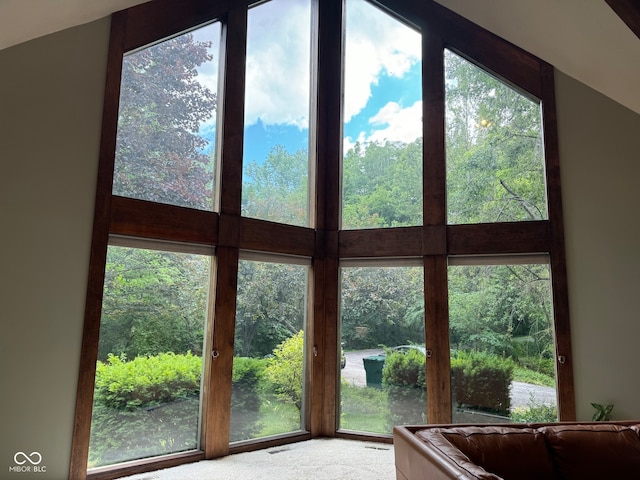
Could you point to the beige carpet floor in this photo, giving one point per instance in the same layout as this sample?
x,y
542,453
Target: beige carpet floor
x,y
316,459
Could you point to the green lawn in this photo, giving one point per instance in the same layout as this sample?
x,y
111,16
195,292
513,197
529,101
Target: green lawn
x,y
278,417
363,409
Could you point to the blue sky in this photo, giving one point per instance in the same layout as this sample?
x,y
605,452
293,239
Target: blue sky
x,y
382,97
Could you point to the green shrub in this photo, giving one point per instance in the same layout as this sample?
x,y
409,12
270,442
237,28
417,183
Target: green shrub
x,y
151,405
534,412
146,381
404,380
146,407
248,376
285,369
482,381
545,366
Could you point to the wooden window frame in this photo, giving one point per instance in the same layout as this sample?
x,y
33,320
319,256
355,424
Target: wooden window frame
x,y
324,243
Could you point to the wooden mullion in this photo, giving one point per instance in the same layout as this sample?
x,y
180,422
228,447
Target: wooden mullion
x,y
433,109
217,408
328,202
316,370
559,282
231,131
329,126
97,261
330,353
151,21
436,320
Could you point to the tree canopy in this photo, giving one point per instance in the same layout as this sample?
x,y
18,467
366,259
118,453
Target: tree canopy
x,y
495,163
159,154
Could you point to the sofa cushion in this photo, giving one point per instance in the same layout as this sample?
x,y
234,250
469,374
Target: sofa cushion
x,y
471,470
513,453
594,451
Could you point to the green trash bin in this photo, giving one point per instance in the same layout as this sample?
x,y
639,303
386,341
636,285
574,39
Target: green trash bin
x,y
373,366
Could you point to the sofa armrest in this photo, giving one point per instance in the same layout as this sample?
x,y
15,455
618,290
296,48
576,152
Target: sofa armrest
x,y
419,459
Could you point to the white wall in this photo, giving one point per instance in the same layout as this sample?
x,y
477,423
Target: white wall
x,y
51,93
50,112
600,169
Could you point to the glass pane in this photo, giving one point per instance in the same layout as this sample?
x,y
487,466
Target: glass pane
x,y
268,367
276,133
383,357
147,390
494,145
382,147
165,148
502,349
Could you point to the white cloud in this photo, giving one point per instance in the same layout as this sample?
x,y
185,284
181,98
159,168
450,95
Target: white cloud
x,y
278,64
375,44
400,124
278,59
392,123
208,71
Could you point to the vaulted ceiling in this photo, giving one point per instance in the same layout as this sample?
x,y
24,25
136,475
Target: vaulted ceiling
x,y
592,41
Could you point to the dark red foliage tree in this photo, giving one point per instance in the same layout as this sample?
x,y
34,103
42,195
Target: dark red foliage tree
x,y
159,154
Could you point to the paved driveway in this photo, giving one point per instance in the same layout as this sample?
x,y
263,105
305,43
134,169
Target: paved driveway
x,y
353,372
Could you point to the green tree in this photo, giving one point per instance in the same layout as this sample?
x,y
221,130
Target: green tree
x,y
153,302
271,305
495,159
501,309
382,185
382,306
277,189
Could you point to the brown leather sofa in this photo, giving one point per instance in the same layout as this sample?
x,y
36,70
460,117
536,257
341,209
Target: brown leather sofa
x,y
554,451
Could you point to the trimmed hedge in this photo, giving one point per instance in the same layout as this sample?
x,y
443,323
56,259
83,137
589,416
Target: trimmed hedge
x,y
150,405
404,380
482,381
146,381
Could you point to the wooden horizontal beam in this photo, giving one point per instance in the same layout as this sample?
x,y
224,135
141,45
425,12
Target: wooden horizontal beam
x,y
139,218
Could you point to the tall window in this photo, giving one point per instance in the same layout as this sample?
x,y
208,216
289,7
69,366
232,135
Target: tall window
x,y
317,217
501,334
269,362
382,336
276,134
382,162
149,371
